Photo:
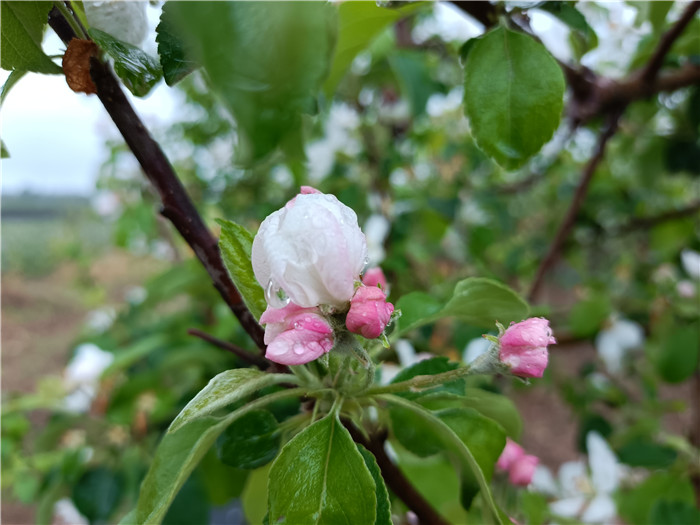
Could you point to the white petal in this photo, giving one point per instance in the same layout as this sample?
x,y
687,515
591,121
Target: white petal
x,y
605,471
572,477
475,348
87,364
691,263
628,333
569,507
601,509
610,351
405,351
543,481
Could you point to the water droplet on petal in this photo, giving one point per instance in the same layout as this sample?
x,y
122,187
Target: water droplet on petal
x,y
298,348
275,296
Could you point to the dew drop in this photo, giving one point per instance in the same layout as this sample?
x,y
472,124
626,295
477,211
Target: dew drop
x,y
275,296
298,348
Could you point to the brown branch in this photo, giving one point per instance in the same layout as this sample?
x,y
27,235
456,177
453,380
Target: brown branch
x,y
650,70
695,428
594,95
484,12
394,478
642,223
176,203
239,352
579,196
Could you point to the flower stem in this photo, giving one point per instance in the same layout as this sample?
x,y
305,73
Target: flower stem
x,y
68,15
420,382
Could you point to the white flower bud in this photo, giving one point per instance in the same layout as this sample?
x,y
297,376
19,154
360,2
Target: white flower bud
x,y
125,21
312,250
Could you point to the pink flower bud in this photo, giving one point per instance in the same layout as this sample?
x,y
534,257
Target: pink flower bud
x,y
511,453
373,277
522,470
369,312
523,347
296,335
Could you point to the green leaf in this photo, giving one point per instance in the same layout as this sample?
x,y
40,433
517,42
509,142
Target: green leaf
x,y
587,316
635,504
584,38
452,434
176,457
174,61
383,501
484,438
254,503
359,23
190,505
138,70
481,302
413,74
513,95
414,432
97,493
642,452
674,513
226,388
477,301
250,442
494,406
235,245
178,454
680,351
267,60
14,77
4,154
21,31
417,308
320,477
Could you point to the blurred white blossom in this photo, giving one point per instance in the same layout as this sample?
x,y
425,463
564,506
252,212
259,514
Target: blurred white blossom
x,y
584,493
81,376
376,229
101,319
65,513
340,129
475,348
614,342
690,260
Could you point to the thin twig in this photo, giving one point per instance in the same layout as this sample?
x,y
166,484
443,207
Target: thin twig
x,y
246,356
579,196
176,203
652,67
394,478
642,223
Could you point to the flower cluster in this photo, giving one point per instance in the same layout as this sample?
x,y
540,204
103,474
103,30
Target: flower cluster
x,y
520,466
309,256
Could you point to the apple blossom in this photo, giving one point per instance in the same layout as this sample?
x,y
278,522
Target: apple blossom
x,y
523,347
296,335
311,251
520,466
522,470
369,312
375,277
511,453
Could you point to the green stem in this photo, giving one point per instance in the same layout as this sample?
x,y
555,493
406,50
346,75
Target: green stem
x,y
68,15
448,436
419,382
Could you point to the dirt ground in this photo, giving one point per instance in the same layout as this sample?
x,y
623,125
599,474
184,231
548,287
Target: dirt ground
x,y
41,318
